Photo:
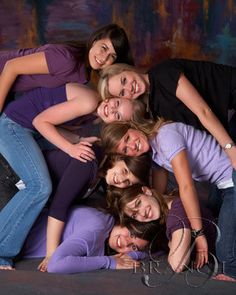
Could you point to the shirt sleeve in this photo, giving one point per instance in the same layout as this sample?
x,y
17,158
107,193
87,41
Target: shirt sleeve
x,y
71,257
60,59
169,141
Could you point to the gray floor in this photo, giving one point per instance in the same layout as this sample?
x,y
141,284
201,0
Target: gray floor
x,y
27,280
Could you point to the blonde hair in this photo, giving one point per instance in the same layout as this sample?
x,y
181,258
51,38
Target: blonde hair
x,y
111,71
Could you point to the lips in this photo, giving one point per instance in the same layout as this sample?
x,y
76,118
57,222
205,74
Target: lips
x,y
106,110
115,180
98,61
118,242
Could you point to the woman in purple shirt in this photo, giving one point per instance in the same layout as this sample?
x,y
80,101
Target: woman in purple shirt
x,y
53,65
190,154
145,205
84,240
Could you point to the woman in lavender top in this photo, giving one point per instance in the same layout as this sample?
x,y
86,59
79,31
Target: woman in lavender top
x,y
83,244
190,154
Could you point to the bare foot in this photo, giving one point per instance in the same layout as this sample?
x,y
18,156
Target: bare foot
x,y
223,277
6,267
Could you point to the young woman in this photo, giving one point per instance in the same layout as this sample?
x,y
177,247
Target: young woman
x,y
84,240
52,65
197,93
190,154
42,109
122,171
145,204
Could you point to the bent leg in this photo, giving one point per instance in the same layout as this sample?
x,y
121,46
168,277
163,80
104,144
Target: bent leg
x,y
16,218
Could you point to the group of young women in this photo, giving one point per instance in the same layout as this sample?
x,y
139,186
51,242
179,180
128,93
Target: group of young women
x,y
50,135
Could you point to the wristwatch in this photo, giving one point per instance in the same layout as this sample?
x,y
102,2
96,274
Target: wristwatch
x,y
196,233
228,146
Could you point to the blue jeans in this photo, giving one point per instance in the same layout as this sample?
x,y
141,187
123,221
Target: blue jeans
x,y
18,146
226,245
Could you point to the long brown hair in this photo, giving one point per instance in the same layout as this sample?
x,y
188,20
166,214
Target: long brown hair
x,y
140,166
112,133
118,198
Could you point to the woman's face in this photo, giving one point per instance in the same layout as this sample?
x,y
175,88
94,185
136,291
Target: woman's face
x,y
122,241
120,176
143,208
133,143
115,109
101,54
127,84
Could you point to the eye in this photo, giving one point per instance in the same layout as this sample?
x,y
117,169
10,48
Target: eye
x,y
118,116
134,247
128,183
114,57
125,150
134,215
104,47
123,81
122,93
138,203
117,103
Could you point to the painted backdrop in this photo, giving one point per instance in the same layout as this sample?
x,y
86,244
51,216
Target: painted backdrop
x,y
157,29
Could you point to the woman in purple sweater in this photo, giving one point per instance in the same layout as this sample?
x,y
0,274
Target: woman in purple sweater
x,y
52,65
83,243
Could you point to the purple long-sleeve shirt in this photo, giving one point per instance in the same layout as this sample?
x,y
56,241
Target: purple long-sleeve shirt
x,y
83,242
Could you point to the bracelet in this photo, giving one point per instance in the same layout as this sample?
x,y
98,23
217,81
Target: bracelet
x,y
197,233
228,146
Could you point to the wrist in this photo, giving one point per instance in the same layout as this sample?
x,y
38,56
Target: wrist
x,y
197,233
228,146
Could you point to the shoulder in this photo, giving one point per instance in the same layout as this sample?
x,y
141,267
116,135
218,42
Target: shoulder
x,y
82,93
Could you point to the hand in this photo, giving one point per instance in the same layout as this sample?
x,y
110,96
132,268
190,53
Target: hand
x,y
82,151
124,261
43,266
201,251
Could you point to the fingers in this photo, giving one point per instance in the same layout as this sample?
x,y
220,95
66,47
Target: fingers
x,y
43,265
201,258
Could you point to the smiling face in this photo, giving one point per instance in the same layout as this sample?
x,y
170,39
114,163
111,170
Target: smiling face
x,y
127,84
115,109
120,176
122,241
133,143
143,208
101,54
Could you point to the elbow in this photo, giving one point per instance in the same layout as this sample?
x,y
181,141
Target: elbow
x,y
36,122
177,265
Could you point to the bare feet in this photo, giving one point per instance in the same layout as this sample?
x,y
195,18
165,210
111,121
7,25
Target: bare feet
x,y
222,277
6,267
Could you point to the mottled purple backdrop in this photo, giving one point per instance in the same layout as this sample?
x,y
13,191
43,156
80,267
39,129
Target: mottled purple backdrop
x,y
157,29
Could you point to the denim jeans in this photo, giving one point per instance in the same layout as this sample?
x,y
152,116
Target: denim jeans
x,y
18,146
226,244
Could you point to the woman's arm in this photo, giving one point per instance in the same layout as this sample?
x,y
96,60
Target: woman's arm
x,y
190,201
26,65
179,245
187,93
159,179
81,102
71,257
54,231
